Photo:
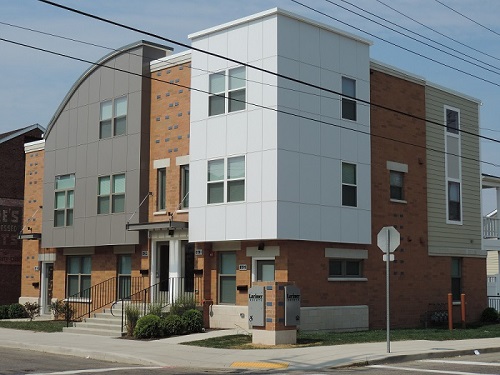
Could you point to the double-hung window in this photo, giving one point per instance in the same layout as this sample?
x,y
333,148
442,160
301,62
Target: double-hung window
x,y
185,186
452,121
79,269
161,200
227,95
227,277
64,200
111,194
349,185
226,180
397,185
349,103
454,205
113,120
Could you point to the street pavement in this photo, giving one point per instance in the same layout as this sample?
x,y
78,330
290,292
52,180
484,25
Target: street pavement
x,y
169,352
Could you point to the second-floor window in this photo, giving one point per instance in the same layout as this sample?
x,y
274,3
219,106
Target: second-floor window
x,y
161,195
111,194
64,200
185,186
397,185
452,121
227,92
226,180
349,185
454,205
349,104
113,119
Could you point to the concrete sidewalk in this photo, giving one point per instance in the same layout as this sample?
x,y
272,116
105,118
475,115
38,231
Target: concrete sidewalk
x,y
168,352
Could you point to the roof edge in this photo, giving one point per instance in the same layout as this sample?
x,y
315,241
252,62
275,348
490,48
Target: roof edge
x,y
22,131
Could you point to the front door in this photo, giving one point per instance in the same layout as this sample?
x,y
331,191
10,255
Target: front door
x,y
48,286
162,269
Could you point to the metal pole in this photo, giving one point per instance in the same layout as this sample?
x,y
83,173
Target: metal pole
x,y
387,261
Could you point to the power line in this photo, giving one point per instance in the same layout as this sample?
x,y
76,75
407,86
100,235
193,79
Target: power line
x,y
368,133
466,17
418,34
279,75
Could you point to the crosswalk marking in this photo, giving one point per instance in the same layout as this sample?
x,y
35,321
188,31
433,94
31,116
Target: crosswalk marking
x,y
462,362
426,370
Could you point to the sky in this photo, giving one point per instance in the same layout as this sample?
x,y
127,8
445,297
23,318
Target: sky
x,y
33,83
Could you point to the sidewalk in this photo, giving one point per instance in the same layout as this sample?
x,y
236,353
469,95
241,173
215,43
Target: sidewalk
x,y
168,352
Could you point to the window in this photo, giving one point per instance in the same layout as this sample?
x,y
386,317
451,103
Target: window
x,y
184,186
454,209
452,122
345,268
349,104
64,200
349,187
265,270
161,195
113,118
456,278
227,277
111,194
78,276
226,181
124,279
227,95
397,184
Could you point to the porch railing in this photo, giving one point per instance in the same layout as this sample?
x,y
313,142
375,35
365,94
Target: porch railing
x,y
162,294
491,227
494,301
98,296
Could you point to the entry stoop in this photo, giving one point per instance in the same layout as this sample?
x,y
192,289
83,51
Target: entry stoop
x,y
102,324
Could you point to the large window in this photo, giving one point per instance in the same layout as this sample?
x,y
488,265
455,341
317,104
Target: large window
x,y
227,95
265,269
161,195
397,185
456,278
349,104
226,180
111,194
79,269
345,268
349,185
113,119
452,122
185,186
454,206
64,200
227,277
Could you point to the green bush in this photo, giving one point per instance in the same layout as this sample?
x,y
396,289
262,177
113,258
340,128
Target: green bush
x,y
489,315
172,325
182,304
16,311
132,314
155,309
4,312
148,327
193,321
62,310
32,309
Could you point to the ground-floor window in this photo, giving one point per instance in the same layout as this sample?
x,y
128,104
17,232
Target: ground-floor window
x,y
227,277
456,278
345,268
124,278
79,269
265,269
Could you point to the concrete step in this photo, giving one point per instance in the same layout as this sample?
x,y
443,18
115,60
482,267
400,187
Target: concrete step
x,y
97,325
92,331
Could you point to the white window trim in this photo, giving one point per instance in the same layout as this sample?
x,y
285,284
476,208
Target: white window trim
x,y
335,253
225,180
449,179
113,117
226,92
342,184
254,266
349,98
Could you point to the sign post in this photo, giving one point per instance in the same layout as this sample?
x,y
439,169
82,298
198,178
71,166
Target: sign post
x,y
388,239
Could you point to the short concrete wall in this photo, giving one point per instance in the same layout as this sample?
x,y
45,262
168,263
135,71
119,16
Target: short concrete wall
x,y
323,318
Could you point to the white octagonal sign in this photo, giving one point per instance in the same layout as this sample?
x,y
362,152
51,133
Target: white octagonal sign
x,y
388,239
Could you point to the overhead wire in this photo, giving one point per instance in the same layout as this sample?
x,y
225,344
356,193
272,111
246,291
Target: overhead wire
x,y
280,75
368,133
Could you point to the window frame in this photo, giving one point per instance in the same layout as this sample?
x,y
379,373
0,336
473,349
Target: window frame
x,y
161,189
225,276
344,263
348,99
184,190
69,203
449,218
456,277
393,188
228,94
452,129
112,196
226,181
349,185
80,275
114,119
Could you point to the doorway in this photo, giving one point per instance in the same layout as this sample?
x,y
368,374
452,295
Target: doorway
x,y
48,286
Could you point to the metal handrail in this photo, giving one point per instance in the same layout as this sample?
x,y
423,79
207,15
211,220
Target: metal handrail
x,y
96,297
163,294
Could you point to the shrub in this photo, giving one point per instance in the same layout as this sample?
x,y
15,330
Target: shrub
x,y
132,314
489,315
4,312
181,305
172,325
155,309
16,310
148,327
193,321
62,310
32,309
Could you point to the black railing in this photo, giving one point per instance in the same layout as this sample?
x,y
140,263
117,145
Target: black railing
x,y
99,296
161,295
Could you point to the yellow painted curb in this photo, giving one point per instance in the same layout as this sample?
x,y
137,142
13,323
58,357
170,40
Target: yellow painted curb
x,y
259,365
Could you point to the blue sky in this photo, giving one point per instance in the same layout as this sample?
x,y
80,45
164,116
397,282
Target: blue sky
x,y
33,83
